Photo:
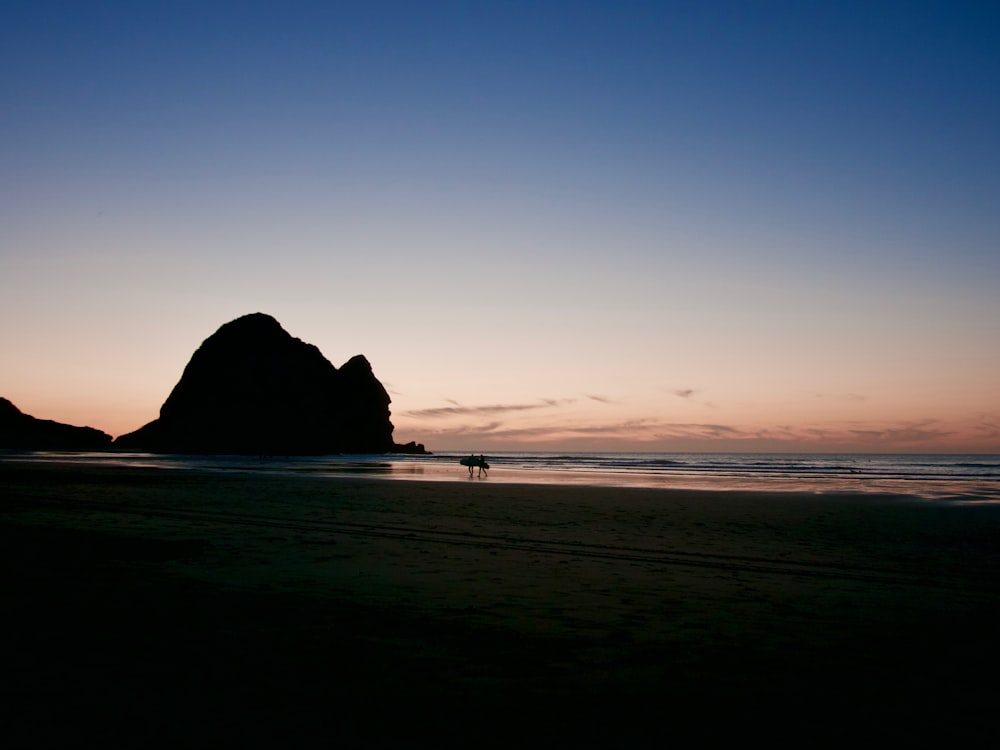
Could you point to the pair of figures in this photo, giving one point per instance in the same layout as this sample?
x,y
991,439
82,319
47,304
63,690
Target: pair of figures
x,y
474,461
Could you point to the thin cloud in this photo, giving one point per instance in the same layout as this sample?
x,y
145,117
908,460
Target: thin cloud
x,y
789,432
859,434
905,433
872,436
701,431
442,412
461,411
557,401
915,434
852,397
477,430
497,430
549,429
989,426
688,394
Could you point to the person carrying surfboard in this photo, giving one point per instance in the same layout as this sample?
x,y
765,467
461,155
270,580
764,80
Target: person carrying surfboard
x,y
472,461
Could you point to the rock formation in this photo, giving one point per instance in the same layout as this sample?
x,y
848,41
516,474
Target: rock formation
x,y
20,431
253,389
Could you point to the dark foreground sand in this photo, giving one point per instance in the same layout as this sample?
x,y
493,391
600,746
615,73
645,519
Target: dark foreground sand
x,y
180,609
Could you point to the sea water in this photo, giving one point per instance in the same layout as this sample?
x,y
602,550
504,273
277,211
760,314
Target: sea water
x,y
942,476
938,476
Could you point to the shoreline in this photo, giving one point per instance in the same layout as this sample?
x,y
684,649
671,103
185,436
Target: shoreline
x,y
293,608
927,483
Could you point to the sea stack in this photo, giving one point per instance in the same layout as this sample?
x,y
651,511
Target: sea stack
x,y
253,389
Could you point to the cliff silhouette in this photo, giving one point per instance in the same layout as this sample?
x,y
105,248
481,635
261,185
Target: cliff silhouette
x,y
20,431
253,389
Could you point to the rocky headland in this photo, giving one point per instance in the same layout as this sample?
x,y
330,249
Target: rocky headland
x,y
253,389
20,431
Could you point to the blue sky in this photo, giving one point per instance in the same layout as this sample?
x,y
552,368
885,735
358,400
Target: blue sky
x,y
541,222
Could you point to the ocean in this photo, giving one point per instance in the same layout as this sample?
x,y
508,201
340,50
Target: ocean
x,y
954,478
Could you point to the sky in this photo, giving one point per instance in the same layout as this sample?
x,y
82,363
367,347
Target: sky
x,y
662,226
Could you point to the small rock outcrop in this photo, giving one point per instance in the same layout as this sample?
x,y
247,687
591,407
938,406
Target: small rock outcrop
x,y
253,389
20,431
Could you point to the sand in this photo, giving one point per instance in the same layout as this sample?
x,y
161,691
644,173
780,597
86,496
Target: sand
x,y
183,608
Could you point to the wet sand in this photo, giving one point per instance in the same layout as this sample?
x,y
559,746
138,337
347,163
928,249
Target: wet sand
x,y
186,608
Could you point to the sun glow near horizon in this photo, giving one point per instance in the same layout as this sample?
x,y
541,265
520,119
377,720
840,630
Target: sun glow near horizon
x,y
558,426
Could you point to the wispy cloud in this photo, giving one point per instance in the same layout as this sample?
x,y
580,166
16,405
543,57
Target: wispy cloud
x,y
463,411
457,410
697,431
689,394
659,434
989,426
558,401
906,433
856,398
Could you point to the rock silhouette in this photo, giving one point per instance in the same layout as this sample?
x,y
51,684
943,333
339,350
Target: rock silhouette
x,y
253,389
20,431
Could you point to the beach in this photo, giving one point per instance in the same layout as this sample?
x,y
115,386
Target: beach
x,y
195,608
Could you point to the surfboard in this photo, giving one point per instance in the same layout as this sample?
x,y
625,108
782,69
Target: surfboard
x,y
473,461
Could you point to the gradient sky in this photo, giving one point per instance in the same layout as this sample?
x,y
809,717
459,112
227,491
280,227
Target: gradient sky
x,y
548,225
